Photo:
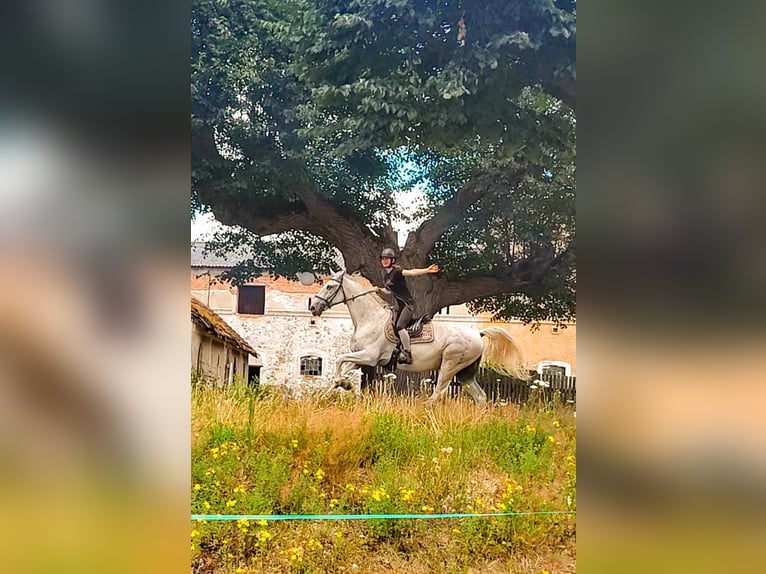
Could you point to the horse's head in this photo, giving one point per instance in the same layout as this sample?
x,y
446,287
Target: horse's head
x,y
329,295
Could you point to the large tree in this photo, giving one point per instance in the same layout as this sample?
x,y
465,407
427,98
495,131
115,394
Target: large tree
x,y
309,116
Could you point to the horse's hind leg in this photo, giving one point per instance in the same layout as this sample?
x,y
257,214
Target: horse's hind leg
x,y
467,378
476,392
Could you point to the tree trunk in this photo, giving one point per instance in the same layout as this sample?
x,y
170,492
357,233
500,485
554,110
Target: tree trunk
x,y
427,299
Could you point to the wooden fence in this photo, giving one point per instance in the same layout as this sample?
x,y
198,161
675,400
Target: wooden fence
x,y
499,388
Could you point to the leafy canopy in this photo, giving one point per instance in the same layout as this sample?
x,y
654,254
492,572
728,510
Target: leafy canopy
x,y
308,117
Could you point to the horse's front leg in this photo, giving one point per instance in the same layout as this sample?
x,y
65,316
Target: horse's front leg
x,y
350,361
447,371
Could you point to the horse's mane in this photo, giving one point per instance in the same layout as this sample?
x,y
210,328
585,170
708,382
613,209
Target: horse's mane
x,y
356,278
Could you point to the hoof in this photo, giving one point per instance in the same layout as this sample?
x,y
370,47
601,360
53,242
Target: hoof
x,y
344,384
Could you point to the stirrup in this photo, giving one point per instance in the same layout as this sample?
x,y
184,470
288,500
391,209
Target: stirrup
x,y
405,357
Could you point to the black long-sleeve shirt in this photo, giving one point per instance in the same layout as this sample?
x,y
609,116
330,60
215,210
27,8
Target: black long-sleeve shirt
x,y
394,281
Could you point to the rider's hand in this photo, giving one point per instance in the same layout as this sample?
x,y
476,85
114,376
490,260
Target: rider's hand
x,y
433,268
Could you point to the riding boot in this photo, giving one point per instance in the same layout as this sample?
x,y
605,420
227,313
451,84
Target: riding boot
x,y
406,357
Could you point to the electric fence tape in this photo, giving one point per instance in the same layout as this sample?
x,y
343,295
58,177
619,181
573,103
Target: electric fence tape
x,y
275,517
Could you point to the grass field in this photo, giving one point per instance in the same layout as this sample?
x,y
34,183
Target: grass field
x,y
256,453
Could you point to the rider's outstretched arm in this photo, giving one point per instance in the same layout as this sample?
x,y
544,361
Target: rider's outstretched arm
x,y
425,271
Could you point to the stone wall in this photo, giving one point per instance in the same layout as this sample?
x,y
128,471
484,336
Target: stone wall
x,y
281,340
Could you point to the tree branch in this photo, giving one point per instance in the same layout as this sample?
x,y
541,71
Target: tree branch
x,y
525,277
308,211
422,240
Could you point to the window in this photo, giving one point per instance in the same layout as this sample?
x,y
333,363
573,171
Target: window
x,y
555,329
554,368
443,311
311,365
251,300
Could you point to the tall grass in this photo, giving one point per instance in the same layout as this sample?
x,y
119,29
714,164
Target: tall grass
x,y
254,453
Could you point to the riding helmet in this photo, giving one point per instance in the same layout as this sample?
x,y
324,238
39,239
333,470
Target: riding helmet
x,y
388,252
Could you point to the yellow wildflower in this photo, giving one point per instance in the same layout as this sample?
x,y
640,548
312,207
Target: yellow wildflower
x,y
230,503
426,508
557,424
319,474
206,504
264,535
350,487
296,553
198,486
406,495
551,438
379,494
294,443
194,533
262,522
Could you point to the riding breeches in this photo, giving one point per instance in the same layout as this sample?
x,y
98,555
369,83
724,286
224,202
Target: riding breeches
x,y
405,316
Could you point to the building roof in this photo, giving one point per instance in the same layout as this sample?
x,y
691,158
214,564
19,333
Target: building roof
x,y
199,258
209,320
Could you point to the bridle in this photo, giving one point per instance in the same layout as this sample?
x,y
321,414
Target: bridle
x,y
327,301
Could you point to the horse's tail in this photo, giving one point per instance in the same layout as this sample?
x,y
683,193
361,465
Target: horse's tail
x,y
503,354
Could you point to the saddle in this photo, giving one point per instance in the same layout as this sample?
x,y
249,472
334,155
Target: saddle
x,y
421,330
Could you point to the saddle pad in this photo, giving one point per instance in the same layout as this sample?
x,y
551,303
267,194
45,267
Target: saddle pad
x,y
426,335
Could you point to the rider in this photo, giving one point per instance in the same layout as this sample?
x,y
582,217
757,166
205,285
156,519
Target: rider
x,y
395,284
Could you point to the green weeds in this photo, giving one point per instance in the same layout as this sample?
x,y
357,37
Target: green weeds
x,y
255,453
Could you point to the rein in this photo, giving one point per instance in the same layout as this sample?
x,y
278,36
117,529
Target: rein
x,y
345,299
